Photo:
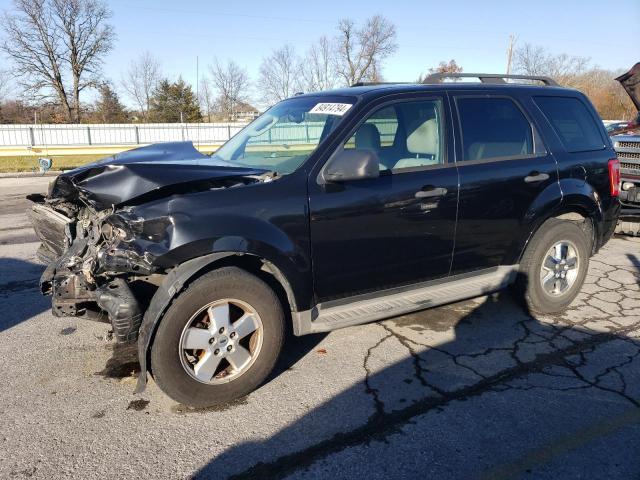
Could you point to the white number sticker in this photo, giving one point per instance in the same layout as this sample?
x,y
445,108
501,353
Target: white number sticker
x,y
331,108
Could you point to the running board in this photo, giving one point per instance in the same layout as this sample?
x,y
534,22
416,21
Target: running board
x,y
390,303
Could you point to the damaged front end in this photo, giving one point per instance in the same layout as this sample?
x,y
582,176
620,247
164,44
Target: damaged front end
x,y
101,253
95,266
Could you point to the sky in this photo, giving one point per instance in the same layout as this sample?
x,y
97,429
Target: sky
x,y
475,34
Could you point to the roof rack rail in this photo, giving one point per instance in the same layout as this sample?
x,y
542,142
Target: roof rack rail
x,y
489,78
369,84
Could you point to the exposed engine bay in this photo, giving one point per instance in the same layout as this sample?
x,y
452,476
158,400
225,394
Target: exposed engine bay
x,y
97,263
102,253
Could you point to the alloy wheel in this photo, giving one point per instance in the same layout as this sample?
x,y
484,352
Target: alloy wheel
x,y
560,268
221,341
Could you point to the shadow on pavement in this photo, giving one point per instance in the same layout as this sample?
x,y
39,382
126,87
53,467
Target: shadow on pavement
x,y
505,394
20,292
294,349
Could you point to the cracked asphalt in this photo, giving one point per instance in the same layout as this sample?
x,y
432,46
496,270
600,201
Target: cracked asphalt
x,y
478,389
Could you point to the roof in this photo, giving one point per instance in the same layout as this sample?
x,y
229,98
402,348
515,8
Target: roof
x,y
374,90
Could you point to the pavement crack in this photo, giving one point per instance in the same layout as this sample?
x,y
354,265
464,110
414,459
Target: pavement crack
x,y
596,383
418,369
378,427
369,389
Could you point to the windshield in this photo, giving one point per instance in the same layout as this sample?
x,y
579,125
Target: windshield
x,y
283,137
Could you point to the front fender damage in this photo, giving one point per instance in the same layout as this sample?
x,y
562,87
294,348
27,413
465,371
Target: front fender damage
x,y
110,234
110,261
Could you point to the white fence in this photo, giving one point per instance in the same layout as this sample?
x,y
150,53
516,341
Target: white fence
x,y
52,135
116,134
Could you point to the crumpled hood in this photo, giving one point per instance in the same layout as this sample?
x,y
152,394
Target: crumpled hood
x,y
630,81
166,167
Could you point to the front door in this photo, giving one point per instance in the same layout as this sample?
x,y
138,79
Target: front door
x,y
373,234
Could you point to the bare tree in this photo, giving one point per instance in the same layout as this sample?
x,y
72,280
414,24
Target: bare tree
x,y
535,60
140,81
360,52
206,98
599,85
231,83
5,84
318,68
57,47
279,77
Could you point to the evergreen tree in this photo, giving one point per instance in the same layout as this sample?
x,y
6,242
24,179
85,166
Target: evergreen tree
x,y
108,108
174,102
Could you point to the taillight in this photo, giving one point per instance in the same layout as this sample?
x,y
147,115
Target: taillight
x,y
614,177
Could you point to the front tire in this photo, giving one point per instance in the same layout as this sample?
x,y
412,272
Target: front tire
x,y
219,339
554,266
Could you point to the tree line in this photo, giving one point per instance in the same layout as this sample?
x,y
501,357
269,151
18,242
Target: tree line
x,y
607,95
57,49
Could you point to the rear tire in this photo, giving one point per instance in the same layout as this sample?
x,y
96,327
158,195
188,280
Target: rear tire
x,y
219,339
554,266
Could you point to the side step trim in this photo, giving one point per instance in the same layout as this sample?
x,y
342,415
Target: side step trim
x,y
392,303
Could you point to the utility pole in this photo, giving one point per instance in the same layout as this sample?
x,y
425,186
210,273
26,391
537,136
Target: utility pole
x,y
512,41
198,97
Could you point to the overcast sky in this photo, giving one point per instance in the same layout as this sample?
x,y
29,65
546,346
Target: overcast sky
x,y
473,33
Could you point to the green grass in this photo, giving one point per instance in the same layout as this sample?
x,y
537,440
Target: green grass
x,y
28,164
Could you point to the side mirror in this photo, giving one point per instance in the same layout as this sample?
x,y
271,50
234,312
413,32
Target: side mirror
x,y
355,164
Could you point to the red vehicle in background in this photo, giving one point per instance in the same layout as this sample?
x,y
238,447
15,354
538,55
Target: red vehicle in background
x,y
626,141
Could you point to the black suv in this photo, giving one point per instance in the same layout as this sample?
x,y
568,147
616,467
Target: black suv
x,y
331,209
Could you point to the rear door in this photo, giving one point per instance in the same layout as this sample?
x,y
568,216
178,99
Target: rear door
x,y
373,234
506,175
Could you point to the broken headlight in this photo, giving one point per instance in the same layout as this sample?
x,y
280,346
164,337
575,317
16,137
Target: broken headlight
x,y
127,226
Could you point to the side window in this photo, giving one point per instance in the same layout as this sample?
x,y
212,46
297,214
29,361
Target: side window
x,y
493,128
404,135
573,123
379,130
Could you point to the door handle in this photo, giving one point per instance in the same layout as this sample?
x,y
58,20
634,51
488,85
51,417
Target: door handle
x,y
534,177
429,191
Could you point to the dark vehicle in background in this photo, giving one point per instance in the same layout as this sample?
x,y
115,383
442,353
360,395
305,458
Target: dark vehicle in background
x,y
626,142
331,209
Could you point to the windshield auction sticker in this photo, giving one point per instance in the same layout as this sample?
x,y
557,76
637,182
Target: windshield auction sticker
x,y
331,108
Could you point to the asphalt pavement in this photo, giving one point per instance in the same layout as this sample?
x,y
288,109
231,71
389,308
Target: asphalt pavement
x,y
479,389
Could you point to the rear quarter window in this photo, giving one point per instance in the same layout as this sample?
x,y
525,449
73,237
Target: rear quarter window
x,y
573,123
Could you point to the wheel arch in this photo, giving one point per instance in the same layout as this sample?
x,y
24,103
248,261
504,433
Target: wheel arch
x,y
184,274
578,209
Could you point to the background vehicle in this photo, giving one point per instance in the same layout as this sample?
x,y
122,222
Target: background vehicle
x,y
615,127
626,141
400,198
